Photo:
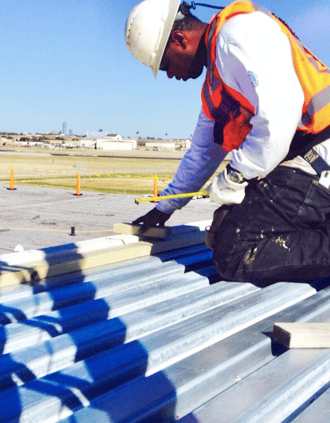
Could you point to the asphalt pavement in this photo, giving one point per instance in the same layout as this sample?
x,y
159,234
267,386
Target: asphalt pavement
x,y
34,218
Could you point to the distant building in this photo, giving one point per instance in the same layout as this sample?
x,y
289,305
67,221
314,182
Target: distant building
x,y
187,143
158,146
110,142
114,137
70,132
87,142
125,145
94,134
64,128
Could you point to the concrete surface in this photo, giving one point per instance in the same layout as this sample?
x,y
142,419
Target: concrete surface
x,y
35,218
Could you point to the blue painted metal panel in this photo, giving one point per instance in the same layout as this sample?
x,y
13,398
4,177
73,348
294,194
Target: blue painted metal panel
x,y
152,340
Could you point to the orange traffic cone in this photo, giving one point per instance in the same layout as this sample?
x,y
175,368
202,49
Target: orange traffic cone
x,y
78,185
155,190
11,184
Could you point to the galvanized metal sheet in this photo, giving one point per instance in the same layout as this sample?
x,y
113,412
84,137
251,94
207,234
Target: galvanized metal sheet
x,y
317,410
152,340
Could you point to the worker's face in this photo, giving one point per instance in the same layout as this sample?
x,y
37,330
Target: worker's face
x,y
179,58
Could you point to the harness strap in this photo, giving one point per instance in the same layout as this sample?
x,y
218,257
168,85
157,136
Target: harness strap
x,y
302,145
302,142
316,161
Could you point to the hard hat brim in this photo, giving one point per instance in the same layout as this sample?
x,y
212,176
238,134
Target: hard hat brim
x,y
168,25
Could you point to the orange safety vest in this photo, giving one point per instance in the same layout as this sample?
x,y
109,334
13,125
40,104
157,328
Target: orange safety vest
x,y
232,112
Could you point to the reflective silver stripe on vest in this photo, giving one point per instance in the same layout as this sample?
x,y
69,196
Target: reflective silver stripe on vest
x,y
320,100
209,60
214,83
207,99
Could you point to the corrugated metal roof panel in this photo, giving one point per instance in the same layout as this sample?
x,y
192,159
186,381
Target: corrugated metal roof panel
x,y
318,411
151,339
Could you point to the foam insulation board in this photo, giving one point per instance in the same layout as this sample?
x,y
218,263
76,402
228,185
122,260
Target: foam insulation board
x,y
302,335
74,261
156,232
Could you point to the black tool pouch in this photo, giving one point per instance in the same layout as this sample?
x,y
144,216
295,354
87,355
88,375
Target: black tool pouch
x,y
213,230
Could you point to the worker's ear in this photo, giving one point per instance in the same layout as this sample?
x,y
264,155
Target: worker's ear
x,y
179,38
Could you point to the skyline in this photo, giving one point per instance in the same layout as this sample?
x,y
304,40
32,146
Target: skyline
x,y
67,62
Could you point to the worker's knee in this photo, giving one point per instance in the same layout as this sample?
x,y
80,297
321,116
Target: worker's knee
x,y
234,253
225,256
237,241
236,267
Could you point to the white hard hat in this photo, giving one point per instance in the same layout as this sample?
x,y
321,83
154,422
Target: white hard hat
x,y
148,28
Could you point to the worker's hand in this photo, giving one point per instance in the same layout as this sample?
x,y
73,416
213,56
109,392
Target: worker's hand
x,y
153,218
225,191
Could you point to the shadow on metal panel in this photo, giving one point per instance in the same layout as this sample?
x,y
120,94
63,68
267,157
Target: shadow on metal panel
x,y
75,386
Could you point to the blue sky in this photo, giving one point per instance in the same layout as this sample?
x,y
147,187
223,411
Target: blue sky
x,y
66,60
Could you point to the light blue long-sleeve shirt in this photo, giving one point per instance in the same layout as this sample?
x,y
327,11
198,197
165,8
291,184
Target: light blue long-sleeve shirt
x,y
197,166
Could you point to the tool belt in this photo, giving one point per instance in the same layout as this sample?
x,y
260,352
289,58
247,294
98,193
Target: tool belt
x,y
213,230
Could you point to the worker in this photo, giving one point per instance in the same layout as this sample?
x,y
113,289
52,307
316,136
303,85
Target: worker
x,y
266,100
